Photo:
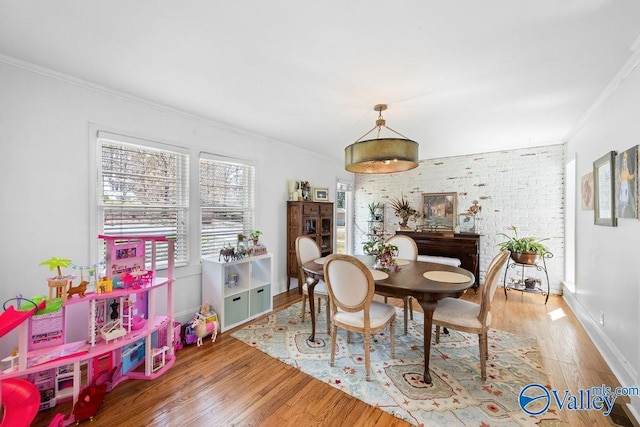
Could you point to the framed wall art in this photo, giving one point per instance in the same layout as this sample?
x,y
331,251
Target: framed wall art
x,y
320,194
626,180
439,211
586,186
604,190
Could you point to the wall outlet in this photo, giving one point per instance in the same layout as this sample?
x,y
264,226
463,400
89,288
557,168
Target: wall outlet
x,y
601,318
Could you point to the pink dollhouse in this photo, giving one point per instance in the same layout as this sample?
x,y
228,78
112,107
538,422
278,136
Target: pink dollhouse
x,y
126,333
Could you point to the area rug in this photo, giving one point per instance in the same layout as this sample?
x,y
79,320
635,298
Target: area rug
x,y
457,397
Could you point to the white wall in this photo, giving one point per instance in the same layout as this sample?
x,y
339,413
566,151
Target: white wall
x,y
607,268
45,176
524,188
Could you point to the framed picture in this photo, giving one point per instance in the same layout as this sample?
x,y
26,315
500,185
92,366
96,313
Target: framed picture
x,y
320,194
626,180
439,211
586,185
467,222
604,188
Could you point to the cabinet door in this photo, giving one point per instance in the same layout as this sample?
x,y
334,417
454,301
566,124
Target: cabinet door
x,y
236,308
259,299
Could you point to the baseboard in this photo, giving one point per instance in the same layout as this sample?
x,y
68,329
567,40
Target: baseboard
x,y
621,368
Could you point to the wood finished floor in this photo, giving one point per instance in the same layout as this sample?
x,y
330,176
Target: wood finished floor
x,y
231,384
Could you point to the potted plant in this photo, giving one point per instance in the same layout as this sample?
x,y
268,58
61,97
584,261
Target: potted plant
x,y
255,236
404,211
383,252
524,250
374,210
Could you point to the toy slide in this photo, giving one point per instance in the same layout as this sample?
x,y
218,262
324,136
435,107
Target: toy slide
x,y
21,400
12,318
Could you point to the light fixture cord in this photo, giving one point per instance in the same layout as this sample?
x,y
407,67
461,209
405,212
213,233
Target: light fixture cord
x,y
379,123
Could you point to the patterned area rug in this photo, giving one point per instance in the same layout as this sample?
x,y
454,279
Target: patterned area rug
x,y
457,397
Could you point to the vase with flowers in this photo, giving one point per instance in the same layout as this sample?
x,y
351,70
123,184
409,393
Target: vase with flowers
x,y
384,253
404,211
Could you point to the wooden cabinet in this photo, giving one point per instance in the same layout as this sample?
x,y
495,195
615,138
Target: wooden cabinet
x,y
465,247
238,290
312,219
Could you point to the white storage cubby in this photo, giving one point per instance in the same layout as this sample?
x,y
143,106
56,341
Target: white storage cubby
x,y
238,290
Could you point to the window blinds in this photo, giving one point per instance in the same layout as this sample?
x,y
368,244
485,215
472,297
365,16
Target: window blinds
x,y
143,190
227,201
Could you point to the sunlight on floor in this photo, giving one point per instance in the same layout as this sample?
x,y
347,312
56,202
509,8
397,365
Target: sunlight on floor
x,y
557,314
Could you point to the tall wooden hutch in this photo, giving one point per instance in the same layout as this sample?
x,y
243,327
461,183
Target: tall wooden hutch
x,y
312,219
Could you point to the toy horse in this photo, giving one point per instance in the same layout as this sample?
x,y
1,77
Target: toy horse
x,y
200,327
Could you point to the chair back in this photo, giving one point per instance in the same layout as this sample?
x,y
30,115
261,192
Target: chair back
x,y
491,283
350,284
307,249
407,248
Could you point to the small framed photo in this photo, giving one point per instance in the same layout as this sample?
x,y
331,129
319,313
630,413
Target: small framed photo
x,y
467,223
604,187
320,194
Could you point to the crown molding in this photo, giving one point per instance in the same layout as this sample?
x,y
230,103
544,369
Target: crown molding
x,y
629,66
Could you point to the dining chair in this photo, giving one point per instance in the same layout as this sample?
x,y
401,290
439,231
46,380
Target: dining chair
x,y
351,288
471,317
407,249
307,249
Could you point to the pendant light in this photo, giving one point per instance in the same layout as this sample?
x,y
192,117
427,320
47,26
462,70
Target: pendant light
x,y
381,155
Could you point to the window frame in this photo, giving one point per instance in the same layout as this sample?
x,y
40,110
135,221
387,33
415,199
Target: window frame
x,y
249,198
182,202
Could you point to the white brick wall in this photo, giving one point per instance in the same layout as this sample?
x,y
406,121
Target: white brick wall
x,y
523,187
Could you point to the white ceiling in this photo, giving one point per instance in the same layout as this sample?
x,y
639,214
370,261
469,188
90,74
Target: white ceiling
x,y
459,76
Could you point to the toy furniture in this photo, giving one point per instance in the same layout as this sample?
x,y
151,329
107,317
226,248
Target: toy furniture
x,y
118,349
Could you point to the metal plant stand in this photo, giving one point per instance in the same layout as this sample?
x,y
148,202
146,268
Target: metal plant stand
x,y
538,266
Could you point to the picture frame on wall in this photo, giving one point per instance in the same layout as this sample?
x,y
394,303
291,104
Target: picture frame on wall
x,y
439,211
604,190
320,194
586,185
626,179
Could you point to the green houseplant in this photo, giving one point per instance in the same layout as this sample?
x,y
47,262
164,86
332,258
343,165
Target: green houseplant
x,y
524,250
374,210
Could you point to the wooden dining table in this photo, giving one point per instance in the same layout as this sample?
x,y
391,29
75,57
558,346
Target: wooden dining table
x,y
427,282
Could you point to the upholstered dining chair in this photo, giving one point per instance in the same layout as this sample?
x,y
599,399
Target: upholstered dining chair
x,y
471,317
307,249
408,250
351,288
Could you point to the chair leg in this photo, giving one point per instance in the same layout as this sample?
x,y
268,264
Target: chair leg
x,y
406,314
410,303
334,333
392,326
437,334
385,300
328,314
319,305
304,305
367,355
482,338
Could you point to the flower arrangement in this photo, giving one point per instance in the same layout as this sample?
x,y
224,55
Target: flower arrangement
x,y
403,210
384,253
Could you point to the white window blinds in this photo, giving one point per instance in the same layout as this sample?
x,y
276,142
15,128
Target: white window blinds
x,y
143,190
227,201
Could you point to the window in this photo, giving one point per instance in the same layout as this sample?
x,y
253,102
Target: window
x,y
227,201
143,190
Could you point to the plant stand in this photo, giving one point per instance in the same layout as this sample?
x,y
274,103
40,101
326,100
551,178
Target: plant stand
x,y
539,266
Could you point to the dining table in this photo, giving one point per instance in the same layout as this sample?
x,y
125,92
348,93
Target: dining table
x,y
427,282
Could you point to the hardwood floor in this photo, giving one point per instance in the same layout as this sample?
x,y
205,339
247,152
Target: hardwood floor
x,y
231,384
